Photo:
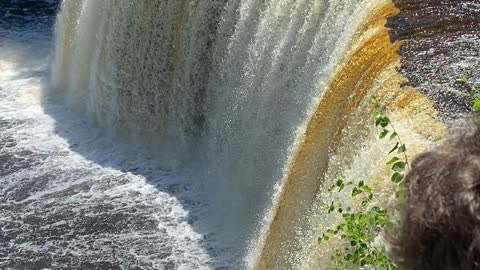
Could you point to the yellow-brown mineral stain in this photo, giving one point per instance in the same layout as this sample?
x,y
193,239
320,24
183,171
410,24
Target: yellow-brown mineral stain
x,y
372,54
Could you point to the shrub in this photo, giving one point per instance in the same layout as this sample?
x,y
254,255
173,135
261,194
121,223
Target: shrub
x,y
362,226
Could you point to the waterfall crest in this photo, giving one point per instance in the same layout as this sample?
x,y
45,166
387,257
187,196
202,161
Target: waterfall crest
x,y
249,95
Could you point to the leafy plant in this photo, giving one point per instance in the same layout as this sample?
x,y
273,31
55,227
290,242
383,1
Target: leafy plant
x,y
399,161
361,225
474,92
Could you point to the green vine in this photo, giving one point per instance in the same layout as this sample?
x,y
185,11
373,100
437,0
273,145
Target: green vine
x,y
361,226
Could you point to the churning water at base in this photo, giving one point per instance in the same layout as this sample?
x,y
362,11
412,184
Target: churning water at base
x,y
70,198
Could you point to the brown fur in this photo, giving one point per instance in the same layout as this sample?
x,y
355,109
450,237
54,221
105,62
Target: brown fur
x,y
441,215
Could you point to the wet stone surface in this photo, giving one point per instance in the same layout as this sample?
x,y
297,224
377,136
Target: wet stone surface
x,y
442,43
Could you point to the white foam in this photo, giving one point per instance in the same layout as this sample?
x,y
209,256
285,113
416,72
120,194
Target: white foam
x,y
70,154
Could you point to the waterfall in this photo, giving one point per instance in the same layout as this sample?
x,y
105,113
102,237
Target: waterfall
x,y
228,90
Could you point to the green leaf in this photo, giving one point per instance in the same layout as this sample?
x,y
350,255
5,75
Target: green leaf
x,y
382,121
393,160
394,148
339,182
331,208
356,192
476,106
397,177
399,166
384,133
402,149
367,189
401,194
362,219
393,136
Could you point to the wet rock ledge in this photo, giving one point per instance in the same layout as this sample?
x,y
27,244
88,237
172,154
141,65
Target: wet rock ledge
x,y
442,43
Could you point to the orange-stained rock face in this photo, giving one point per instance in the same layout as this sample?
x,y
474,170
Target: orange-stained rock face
x,y
424,44
371,54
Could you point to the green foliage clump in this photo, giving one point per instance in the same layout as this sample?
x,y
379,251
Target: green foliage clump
x,y
473,91
361,225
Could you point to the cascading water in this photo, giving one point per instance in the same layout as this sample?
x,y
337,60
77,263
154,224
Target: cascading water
x,y
221,87
217,123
